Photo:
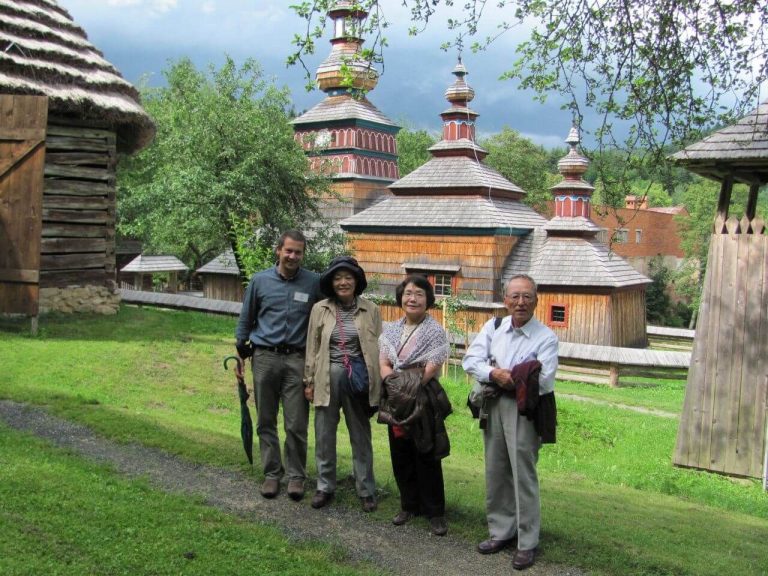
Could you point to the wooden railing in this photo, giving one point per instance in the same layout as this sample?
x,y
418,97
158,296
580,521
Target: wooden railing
x,y
578,362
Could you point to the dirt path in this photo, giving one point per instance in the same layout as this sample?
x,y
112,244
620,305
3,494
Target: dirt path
x,y
406,550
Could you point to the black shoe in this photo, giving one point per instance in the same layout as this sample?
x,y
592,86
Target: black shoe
x,y
321,499
524,559
270,487
402,517
369,503
295,489
492,546
438,525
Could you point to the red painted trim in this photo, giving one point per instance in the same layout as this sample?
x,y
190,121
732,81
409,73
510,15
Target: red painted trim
x,y
551,322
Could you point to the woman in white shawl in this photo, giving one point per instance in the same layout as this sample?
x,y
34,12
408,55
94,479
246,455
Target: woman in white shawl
x,y
415,347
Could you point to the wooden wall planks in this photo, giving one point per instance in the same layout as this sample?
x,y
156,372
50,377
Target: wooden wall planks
x,y
23,122
722,427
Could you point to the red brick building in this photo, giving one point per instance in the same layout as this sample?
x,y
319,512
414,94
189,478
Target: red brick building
x,y
638,233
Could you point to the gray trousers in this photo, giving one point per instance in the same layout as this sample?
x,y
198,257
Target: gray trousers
x,y
279,378
359,426
512,485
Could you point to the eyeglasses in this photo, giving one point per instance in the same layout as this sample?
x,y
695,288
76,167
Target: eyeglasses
x,y
416,294
524,296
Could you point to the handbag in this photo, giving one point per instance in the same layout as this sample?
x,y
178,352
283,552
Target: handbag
x,y
475,398
357,372
357,380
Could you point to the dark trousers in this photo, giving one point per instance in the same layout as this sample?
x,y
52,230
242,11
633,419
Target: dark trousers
x,y
419,478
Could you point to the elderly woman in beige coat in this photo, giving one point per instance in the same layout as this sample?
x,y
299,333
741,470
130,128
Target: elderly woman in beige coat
x,y
343,335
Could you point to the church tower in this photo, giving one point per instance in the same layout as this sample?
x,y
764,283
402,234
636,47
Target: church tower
x,y
345,135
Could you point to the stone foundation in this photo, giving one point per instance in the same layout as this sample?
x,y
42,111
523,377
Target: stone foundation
x,y
96,299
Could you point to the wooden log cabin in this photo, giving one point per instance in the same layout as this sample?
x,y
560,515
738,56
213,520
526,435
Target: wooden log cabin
x,y
465,227
92,116
723,423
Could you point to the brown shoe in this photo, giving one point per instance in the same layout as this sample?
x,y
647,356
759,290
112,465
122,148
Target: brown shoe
x,y
369,503
321,499
402,517
524,559
492,546
296,489
270,487
438,525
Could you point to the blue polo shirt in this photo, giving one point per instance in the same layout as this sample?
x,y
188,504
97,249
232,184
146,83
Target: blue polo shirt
x,y
276,310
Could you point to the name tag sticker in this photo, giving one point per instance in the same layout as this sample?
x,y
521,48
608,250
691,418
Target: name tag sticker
x,y
301,296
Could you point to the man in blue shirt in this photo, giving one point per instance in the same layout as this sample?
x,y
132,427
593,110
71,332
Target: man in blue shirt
x,y
272,328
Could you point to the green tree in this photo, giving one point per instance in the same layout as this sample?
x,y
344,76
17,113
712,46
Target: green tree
x,y
412,149
521,161
657,301
224,152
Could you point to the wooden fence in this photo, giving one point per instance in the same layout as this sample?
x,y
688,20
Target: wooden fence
x,y
578,362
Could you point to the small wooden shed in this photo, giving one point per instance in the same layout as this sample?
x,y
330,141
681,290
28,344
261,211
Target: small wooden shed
x,y
140,273
92,115
221,278
723,424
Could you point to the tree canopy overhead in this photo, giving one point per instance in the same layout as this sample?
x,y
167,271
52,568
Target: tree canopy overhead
x,y
224,154
659,72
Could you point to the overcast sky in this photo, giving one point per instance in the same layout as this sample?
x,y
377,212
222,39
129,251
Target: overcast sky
x,y
140,37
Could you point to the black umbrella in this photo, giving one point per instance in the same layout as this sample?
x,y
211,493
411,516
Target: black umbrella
x,y
246,424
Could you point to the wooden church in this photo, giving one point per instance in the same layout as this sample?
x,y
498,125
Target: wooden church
x,y
65,116
723,424
465,227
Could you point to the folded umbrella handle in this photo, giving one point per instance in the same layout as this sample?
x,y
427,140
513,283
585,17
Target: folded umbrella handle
x,y
235,358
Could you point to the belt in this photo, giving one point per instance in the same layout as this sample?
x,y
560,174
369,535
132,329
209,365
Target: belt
x,y
281,349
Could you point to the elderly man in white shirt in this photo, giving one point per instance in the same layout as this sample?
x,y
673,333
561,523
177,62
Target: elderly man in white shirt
x,y
511,440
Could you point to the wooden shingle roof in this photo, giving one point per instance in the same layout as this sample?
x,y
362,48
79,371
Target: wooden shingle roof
x,y
570,262
343,107
441,212
592,264
572,224
460,144
455,172
151,264
224,263
43,52
741,149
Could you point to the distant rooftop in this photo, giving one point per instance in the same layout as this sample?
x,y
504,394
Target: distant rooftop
x,y
150,264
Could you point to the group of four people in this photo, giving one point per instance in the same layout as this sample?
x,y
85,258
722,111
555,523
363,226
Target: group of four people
x,y
310,335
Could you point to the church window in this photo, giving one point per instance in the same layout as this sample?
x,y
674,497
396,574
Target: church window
x,y
558,315
443,284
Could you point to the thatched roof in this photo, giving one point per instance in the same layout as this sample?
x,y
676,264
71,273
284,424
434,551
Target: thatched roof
x,y
42,51
740,149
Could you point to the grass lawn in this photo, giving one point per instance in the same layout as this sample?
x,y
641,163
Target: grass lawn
x,y
61,515
612,502
664,395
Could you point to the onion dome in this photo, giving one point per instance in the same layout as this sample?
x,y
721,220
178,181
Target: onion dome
x,y
459,93
573,164
344,60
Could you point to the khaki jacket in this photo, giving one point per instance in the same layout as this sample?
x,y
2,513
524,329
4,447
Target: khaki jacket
x,y
317,370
